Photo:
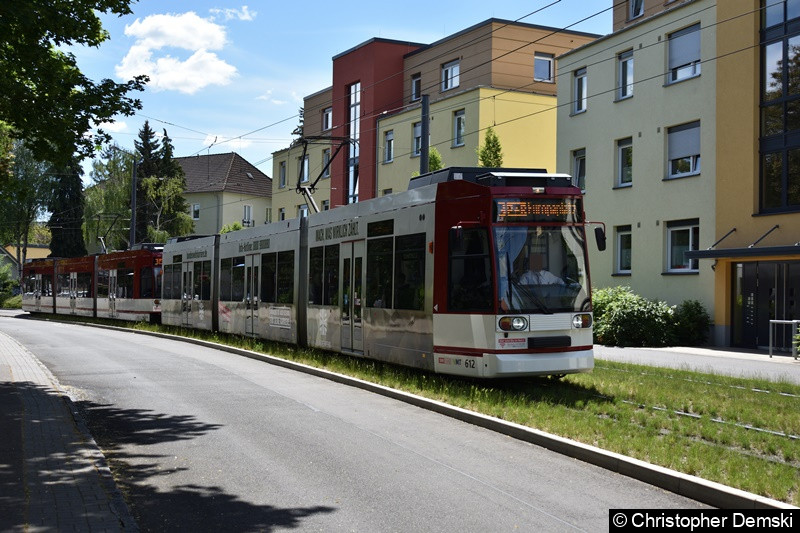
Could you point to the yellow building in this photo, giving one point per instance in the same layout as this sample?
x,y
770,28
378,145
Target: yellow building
x,y
756,258
636,124
496,73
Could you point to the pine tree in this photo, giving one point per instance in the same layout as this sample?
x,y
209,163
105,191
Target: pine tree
x,y
148,154
490,155
66,205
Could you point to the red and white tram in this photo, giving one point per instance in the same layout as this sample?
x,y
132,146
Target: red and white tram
x,y
472,271
121,285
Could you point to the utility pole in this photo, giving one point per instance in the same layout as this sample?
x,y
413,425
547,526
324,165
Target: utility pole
x,y
134,179
425,132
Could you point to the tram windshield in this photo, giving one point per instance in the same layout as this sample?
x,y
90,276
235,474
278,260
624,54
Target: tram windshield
x,y
541,269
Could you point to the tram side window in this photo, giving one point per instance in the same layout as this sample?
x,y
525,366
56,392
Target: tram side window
x,y
409,272
379,272
315,269
102,283
331,281
84,284
63,285
237,279
285,276
146,283
167,287
268,278
124,283
470,271
202,280
225,280
47,285
30,284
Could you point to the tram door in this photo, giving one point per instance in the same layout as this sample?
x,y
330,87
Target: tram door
x,y
352,268
37,292
187,291
112,293
251,280
73,292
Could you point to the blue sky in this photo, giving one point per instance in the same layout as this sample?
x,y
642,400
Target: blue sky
x,y
231,76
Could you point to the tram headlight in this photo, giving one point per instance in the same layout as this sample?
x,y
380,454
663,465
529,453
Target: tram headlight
x,y
513,323
583,320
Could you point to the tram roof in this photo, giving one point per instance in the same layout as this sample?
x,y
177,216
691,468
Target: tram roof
x,y
494,177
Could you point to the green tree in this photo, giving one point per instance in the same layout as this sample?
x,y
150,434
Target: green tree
x,y
108,200
147,153
24,198
490,155
174,216
66,208
44,96
6,156
233,226
434,160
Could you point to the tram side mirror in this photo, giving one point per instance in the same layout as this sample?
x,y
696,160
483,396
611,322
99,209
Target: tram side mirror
x,y
600,237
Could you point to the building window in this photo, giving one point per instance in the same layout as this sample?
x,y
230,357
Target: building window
x,y
388,146
684,150
327,118
416,87
579,168
625,71
623,249
282,213
326,205
326,163
417,139
303,164
450,74
302,211
354,132
459,123
387,191
579,91
635,8
684,53
779,11
780,107
682,236
282,174
625,162
268,215
195,211
247,216
543,67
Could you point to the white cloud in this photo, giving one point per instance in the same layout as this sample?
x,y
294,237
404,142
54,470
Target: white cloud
x,y
185,31
113,127
241,14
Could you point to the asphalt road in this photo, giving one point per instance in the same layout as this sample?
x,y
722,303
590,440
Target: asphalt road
x,y
202,440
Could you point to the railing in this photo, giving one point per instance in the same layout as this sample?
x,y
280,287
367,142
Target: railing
x,y
794,324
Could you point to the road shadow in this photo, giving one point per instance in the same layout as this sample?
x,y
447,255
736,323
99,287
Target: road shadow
x,y
186,507
35,465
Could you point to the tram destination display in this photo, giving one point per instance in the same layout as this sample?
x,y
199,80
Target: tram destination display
x,y
537,210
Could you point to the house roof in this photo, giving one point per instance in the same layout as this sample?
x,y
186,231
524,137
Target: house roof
x,y
224,173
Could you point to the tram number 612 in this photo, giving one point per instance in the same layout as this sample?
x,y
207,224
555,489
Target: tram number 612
x,y
469,363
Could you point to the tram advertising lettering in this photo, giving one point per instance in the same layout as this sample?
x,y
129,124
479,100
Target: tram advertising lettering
x,y
537,210
338,231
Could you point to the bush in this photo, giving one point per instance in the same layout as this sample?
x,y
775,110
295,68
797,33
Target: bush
x,y
631,320
691,323
15,302
623,318
602,298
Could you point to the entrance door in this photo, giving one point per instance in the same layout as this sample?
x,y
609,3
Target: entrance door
x,y
251,280
187,291
112,293
765,291
352,268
